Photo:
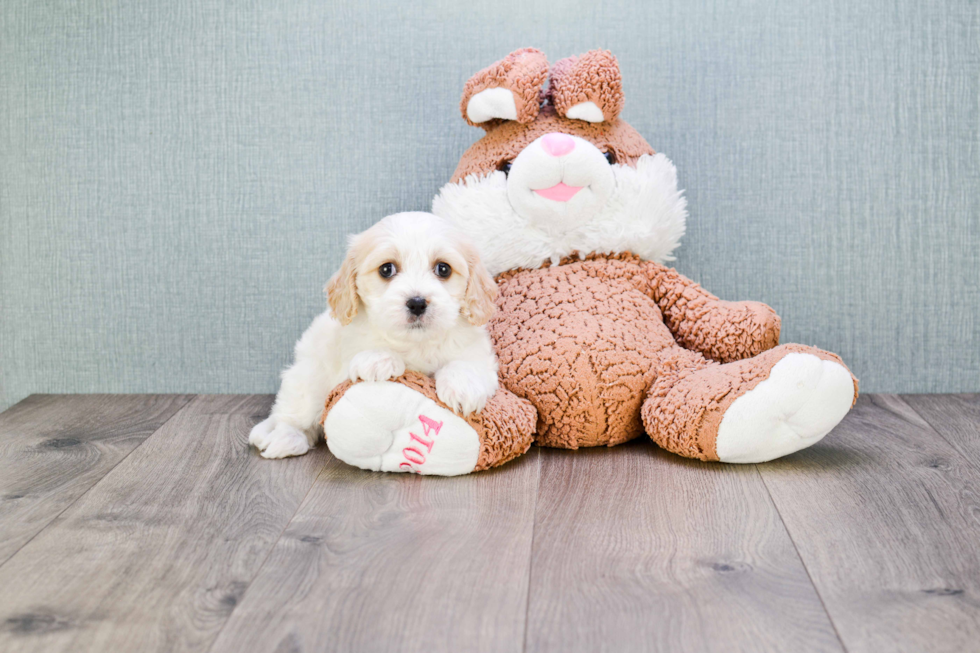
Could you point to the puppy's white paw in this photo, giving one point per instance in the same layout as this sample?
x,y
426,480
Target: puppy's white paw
x,y
462,388
801,401
276,439
375,365
258,437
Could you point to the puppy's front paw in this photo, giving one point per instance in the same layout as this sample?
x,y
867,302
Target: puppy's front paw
x,y
258,437
463,389
276,439
375,365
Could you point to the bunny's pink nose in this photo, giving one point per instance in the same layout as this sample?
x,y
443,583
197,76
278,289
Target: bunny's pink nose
x,y
557,144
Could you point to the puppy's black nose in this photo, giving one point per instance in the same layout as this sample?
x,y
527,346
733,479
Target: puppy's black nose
x,y
416,305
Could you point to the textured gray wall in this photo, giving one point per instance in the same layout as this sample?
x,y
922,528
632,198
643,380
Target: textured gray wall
x,y
176,177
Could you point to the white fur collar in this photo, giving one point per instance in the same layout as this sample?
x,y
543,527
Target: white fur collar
x,y
645,215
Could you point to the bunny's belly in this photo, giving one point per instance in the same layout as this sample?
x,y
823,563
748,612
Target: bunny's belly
x,y
581,346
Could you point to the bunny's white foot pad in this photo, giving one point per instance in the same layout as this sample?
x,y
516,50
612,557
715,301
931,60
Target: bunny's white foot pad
x,y
803,398
388,427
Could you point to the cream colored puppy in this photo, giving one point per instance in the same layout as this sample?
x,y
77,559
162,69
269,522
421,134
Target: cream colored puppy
x,y
412,294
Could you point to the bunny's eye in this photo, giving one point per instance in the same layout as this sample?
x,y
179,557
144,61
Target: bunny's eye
x,y
387,270
505,167
610,156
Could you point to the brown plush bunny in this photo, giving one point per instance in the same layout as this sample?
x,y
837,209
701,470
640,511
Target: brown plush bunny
x,y
574,214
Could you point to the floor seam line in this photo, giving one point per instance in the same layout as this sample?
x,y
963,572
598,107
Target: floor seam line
x,y
942,437
530,557
799,557
258,570
102,478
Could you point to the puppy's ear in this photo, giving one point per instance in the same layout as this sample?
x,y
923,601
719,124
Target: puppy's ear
x,y
481,289
342,288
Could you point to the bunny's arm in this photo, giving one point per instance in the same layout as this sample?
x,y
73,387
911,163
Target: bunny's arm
x,y
719,330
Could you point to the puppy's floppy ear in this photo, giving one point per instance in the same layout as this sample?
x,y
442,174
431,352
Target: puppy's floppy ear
x,y
481,289
342,287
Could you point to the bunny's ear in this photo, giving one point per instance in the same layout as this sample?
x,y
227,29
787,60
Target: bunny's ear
x,y
508,90
587,88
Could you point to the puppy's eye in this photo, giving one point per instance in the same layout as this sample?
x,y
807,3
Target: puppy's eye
x,y
610,156
505,167
443,270
387,270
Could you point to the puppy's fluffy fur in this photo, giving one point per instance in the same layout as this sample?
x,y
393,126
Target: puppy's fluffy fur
x,y
370,332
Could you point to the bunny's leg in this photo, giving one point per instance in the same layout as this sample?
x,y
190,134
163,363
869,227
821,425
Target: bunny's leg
x,y
402,426
747,411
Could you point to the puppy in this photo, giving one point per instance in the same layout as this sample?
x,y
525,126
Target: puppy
x,y
412,294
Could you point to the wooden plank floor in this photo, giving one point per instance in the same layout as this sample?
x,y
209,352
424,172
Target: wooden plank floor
x,y
144,523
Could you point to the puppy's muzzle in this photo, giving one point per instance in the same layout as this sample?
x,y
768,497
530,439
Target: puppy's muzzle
x,y
416,306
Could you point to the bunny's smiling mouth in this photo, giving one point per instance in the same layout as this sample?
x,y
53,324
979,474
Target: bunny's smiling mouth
x,y
560,192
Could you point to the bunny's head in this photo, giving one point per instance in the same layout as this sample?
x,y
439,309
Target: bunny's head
x,y
558,171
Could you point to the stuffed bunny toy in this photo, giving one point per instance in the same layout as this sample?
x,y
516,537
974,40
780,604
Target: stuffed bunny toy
x,y
598,341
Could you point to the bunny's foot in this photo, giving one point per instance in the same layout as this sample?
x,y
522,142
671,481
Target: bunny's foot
x,y
402,426
752,410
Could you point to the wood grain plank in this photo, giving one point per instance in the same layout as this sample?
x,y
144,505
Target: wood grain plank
x,y
53,448
636,549
955,417
886,516
156,556
384,562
